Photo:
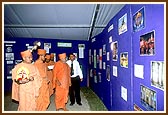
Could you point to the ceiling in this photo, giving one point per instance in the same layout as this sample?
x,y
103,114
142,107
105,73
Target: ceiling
x,y
57,21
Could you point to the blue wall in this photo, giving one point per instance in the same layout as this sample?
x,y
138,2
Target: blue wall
x,y
20,45
152,24
110,91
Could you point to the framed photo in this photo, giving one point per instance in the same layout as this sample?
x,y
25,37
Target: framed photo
x,y
148,98
108,72
147,44
124,59
114,47
139,20
122,24
157,74
104,49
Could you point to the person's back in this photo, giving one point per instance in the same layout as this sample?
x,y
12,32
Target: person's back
x,y
43,100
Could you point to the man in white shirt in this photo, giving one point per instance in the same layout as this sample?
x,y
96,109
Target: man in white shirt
x,y
76,78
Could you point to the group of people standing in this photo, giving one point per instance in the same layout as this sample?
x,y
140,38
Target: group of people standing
x,y
34,83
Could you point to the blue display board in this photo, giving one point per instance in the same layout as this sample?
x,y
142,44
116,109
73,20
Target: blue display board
x,y
134,44
13,47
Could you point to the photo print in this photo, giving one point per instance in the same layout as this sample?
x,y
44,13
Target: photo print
x,y
138,20
124,59
122,24
114,47
108,72
147,44
157,74
148,98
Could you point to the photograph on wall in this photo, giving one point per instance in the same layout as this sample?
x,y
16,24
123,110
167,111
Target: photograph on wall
x,y
122,24
9,49
157,74
138,20
47,46
9,69
108,56
104,65
9,56
124,59
148,98
95,76
104,49
137,108
91,73
95,59
100,59
115,50
108,72
110,39
124,93
99,76
90,56
139,71
147,44
115,71
81,48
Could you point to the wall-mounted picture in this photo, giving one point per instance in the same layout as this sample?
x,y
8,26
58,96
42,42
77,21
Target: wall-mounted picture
x,y
100,59
148,98
104,49
9,56
95,57
122,24
108,72
95,76
47,46
115,50
147,44
124,59
91,73
157,74
99,75
138,20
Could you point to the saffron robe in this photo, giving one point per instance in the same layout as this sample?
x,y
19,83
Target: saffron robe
x,y
62,75
26,93
43,99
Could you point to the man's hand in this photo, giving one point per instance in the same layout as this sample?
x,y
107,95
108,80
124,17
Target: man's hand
x,y
81,79
31,78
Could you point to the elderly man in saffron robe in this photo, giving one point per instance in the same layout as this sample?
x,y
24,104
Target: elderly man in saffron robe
x,y
26,83
43,100
61,82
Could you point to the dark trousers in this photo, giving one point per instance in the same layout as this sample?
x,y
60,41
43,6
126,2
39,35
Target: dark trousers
x,y
74,90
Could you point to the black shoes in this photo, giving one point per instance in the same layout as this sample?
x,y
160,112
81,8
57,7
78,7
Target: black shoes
x,y
80,104
71,104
